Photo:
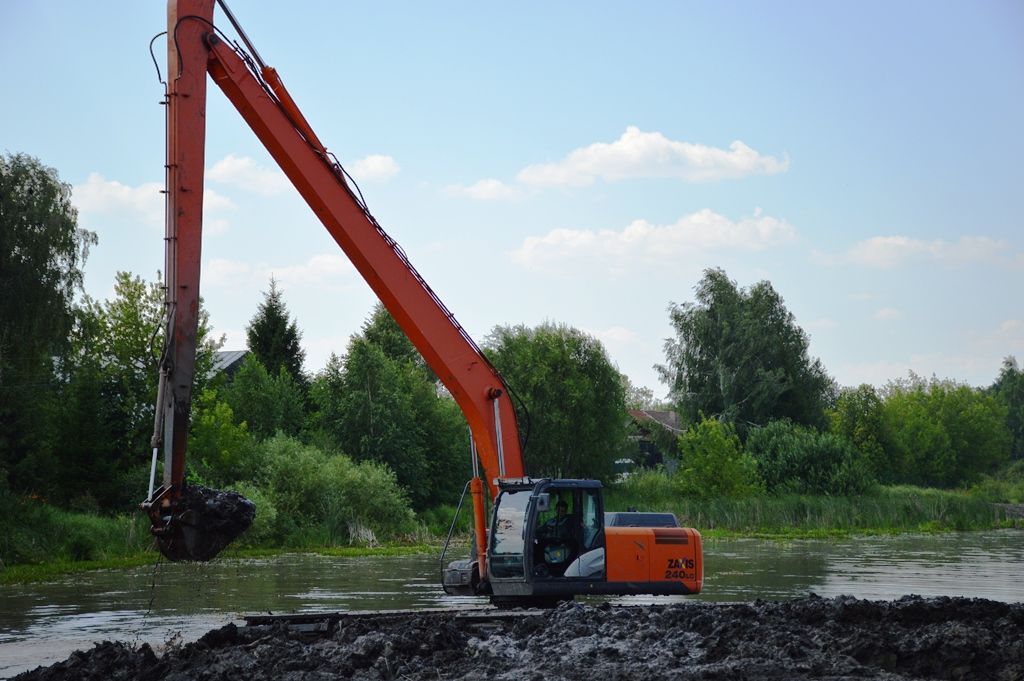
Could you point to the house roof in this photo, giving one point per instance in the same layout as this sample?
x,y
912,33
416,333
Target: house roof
x,y
669,420
227,360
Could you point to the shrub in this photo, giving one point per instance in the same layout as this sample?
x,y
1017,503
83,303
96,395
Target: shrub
x,y
438,520
341,500
266,529
945,433
644,489
1006,487
219,449
292,476
794,459
32,531
859,417
713,463
364,496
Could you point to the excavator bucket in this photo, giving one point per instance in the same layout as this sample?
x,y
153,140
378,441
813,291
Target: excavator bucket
x,y
200,523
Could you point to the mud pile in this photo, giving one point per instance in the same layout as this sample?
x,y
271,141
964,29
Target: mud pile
x,y
809,638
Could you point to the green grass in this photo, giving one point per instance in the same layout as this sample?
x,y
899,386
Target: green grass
x,y
1006,487
437,521
21,574
888,510
40,542
32,531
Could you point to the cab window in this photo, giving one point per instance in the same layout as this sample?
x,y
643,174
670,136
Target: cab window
x,y
506,555
591,521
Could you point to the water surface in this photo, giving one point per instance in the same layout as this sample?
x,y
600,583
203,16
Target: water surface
x,y
43,623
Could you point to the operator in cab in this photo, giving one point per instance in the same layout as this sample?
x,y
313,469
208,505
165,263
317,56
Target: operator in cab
x,y
560,526
556,540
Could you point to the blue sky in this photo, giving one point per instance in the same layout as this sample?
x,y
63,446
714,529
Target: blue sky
x,y
581,163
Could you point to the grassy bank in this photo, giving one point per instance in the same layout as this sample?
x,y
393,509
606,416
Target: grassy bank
x,y
39,542
32,531
21,574
887,510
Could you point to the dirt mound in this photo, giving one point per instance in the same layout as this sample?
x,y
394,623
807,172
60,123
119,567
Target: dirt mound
x,y
809,638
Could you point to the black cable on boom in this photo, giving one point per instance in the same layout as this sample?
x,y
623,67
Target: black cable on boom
x,y
256,66
241,33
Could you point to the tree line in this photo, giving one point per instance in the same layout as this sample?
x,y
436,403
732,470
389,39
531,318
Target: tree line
x,y
319,452
374,438
763,414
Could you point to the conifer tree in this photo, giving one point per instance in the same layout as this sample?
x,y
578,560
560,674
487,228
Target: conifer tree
x,y
275,338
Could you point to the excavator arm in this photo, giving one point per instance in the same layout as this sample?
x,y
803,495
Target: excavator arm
x,y
195,49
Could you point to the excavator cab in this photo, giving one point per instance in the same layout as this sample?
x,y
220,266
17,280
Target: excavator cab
x,y
548,541
567,533
546,530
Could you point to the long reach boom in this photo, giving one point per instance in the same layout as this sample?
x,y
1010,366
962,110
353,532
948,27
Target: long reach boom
x,y
548,539
196,48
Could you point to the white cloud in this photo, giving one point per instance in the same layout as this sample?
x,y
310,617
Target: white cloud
x,y
325,273
485,190
642,241
214,201
888,252
1012,329
888,314
100,196
651,154
374,168
326,269
244,173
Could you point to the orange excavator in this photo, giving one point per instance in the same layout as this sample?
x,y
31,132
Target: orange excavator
x,y
546,538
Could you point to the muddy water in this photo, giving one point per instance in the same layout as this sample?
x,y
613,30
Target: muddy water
x,y
43,623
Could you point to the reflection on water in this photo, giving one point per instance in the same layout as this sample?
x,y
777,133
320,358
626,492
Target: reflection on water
x,y
983,565
43,623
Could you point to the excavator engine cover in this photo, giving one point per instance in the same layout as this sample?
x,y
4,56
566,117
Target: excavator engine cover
x,y
201,523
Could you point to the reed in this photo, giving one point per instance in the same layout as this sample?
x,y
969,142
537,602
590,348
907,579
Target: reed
x,y
885,510
39,541
33,531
